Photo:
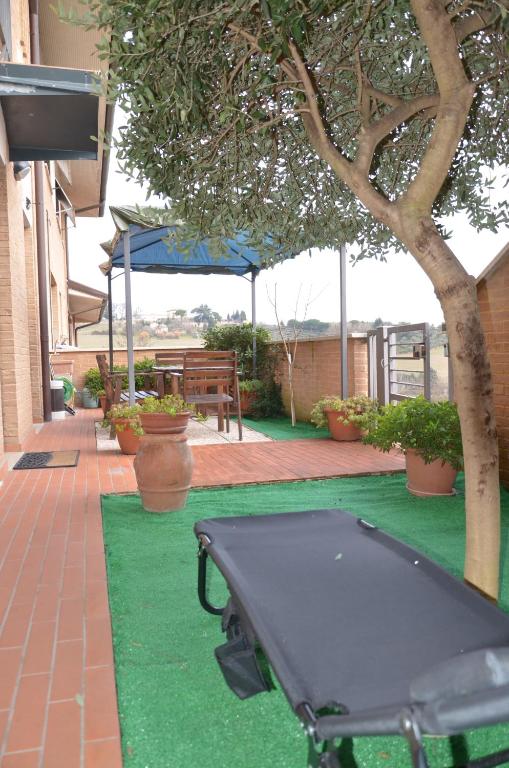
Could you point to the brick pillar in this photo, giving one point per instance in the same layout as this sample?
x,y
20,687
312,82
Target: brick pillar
x,y
14,337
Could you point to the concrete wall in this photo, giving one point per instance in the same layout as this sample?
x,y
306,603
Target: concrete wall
x,y
493,295
317,371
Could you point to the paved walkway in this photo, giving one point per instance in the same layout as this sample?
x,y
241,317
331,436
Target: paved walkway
x,y
57,685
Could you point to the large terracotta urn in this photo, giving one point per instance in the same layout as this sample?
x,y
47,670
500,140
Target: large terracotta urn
x,y
163,467
338,430
434,479
128,440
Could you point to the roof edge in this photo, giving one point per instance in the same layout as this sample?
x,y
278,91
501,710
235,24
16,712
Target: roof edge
x,y
494,264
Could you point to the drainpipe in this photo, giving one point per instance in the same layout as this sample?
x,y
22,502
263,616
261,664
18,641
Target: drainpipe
x,y
42,280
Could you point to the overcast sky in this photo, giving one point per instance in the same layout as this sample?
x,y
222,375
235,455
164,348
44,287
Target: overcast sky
x,y
396,290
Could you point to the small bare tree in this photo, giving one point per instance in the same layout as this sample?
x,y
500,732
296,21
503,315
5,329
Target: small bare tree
x,y
290,337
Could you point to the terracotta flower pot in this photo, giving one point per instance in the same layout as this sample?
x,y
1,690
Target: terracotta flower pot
x,y
435,479
102,403
340,431
128,440
247,400
164,423
163,467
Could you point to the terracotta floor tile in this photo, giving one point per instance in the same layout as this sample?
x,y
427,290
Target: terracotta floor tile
x,y
68,673
29,713
22,760
10,659
103,754
75,553
5,598
63,736
73,582
39,653
97,600
4,716
98,642
52,562
71,619
96,567
47,602
16,625
101,721
9,573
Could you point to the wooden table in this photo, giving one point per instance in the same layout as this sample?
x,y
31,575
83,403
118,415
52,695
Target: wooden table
x,y
176,372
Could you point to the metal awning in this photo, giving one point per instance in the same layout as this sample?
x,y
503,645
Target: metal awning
x,y
86,305
50,113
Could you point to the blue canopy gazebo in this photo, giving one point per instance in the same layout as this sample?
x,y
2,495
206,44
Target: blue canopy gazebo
x,y
143,242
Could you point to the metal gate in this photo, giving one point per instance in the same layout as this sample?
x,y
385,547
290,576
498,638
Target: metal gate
x,y
399,362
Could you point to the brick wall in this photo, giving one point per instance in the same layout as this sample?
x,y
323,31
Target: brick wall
x,y
14,339
492,293
317,368
317,371
77,362
33,325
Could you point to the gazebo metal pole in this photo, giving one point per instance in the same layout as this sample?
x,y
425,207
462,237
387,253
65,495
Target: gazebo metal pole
x,y
110,321
253,317
343,322
129,316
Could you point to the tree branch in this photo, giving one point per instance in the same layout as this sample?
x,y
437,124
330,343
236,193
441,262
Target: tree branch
x,y
456,94
386,98
284,63
370,137
313,120
480,19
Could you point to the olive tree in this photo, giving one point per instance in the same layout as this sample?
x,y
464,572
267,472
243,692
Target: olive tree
x,y
330,121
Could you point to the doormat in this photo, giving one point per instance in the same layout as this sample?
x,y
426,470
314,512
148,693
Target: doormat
x,y
47,459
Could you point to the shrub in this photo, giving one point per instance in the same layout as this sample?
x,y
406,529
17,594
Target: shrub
x,y
251,385
124,411
93,382
269,402
350,411
430,428
240,338
170,404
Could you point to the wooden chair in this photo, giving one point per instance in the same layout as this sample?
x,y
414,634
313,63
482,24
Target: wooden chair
x,y
173,357
205,371
112,383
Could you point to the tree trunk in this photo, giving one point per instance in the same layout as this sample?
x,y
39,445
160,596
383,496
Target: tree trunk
x,y
290,385
473,392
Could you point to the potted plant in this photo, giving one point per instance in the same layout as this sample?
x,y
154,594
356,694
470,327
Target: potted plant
x,y
126,421
429,435
93,389
164,463
343,417
249,391
168,415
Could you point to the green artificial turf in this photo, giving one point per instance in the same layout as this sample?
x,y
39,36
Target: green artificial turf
x,y
175,709
280,428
